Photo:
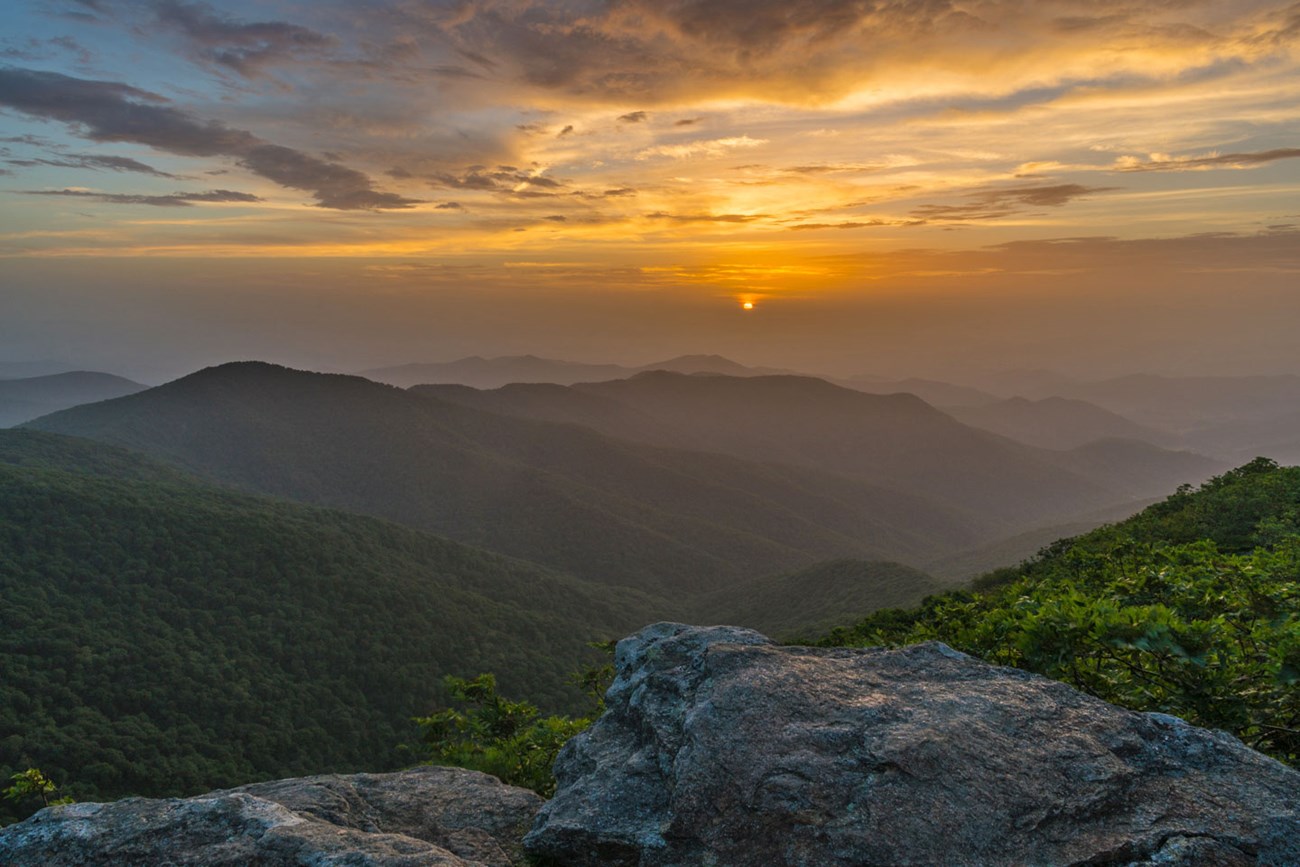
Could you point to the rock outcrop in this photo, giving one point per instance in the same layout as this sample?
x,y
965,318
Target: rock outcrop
x,y
426,817
720,748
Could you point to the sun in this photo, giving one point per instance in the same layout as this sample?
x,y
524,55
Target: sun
x,y
748,305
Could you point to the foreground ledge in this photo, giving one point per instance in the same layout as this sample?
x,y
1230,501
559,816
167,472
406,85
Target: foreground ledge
x,y
720,747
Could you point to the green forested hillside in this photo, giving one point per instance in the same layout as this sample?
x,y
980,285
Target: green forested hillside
x,y
1191,608
161,636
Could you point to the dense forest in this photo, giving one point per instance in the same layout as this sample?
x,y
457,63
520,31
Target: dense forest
x,y
160,636
1191,608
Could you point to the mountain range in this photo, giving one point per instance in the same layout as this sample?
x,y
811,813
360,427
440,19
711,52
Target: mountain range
x,y
897,441
566,496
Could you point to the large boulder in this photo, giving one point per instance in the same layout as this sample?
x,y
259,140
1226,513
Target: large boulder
x,y
720,748
425,817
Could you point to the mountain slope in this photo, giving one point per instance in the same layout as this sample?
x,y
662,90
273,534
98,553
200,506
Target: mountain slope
x,y
897,440
933,392
1183,404
159,635
562,495
29,398
1054,422
818,598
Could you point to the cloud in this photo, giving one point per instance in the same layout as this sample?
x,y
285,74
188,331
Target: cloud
x,y
702,148
835,168
171,200
634,117
707,218
998,203
862,224
1166,163
669,52
502,179
93,161
245,47
112,111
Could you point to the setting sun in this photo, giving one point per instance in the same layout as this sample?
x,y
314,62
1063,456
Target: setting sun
x,y
748,305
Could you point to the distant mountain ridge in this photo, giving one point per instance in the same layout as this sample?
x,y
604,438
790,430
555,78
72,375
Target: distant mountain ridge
x,y
31,397
896,440
1056,422
479,372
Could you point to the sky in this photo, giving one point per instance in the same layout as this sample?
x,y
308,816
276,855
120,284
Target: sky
x,y
897,188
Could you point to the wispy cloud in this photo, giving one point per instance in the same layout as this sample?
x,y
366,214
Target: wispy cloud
x,y
170,200
702,148
707,218
1004,202
94,162
1166,163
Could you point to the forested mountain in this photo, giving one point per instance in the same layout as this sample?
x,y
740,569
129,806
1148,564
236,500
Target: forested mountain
x,y
895,440
159,635
28,398
162,635
562,495
1188,608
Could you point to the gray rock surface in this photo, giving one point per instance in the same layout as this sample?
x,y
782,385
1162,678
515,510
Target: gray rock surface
x,y
425,817
719,748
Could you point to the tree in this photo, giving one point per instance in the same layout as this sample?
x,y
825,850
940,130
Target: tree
x,y
32,783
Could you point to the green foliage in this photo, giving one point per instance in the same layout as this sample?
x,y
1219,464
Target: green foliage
x,y
160,636
508,739
31,785
1191,608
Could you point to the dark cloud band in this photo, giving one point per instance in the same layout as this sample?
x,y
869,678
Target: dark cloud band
x,y
171,200
112,111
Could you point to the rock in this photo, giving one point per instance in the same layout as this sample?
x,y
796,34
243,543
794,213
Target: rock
x,y
446,817
720,748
